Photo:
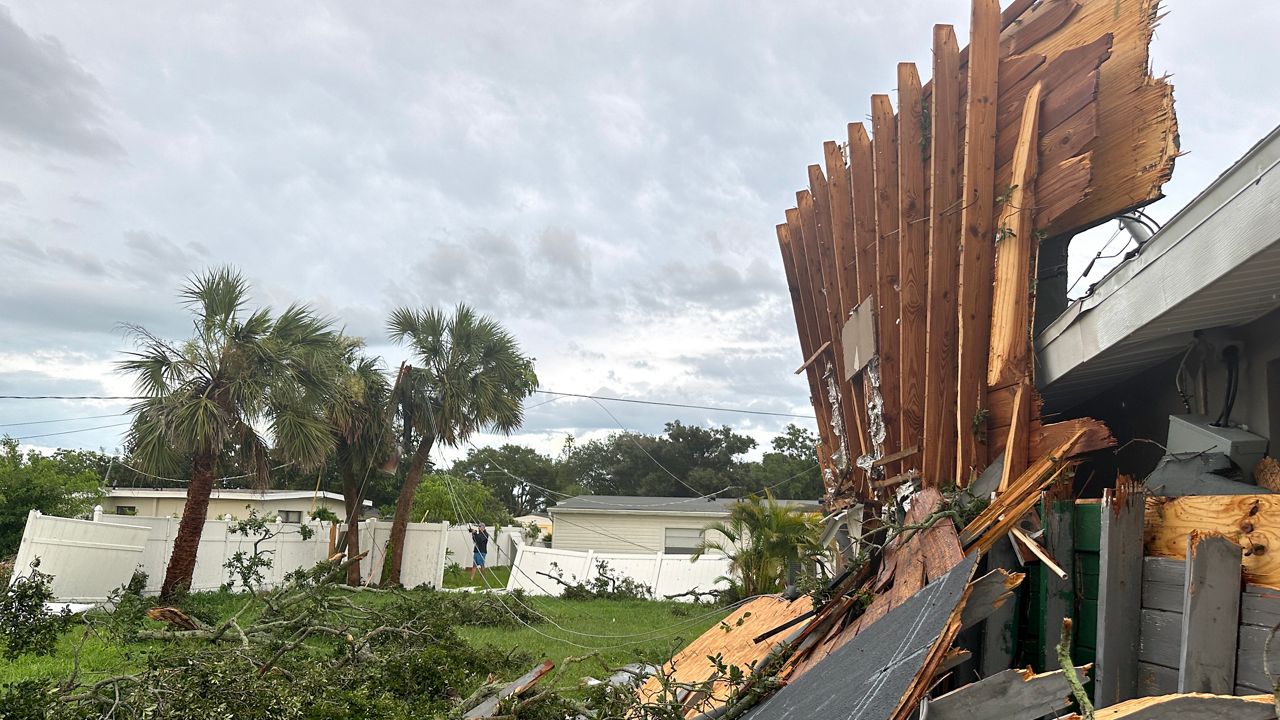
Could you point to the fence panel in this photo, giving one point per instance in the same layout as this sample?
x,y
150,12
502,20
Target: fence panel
x,y
89,558
86,559
665,574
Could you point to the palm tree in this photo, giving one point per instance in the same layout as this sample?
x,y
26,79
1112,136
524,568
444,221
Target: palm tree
x,y
357,414
763,539
242,377
470,377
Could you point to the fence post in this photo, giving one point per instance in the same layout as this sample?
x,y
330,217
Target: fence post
x,y
97,513
657,574
512,583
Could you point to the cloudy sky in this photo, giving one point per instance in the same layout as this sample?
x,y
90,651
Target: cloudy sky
x,y
603,178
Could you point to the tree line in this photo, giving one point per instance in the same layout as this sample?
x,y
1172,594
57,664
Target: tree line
x,y
289,399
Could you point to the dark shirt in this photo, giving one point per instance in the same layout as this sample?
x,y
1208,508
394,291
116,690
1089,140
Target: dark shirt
x,y
480,539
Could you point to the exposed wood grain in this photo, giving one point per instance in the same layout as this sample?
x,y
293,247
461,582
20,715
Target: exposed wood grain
x,y
840,205
1119,594
814,307
1250,521
1015,247
1064,186
1194,706
913,260
1096,436
1210,610
1018,447
863,188
802,323
976,219
1048,17
945,165
988,594
885,144
830,264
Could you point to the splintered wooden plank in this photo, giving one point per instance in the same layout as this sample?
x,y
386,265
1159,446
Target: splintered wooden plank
x,y
1015,247
1017,447
1007,695
945,212
1210,613
518,687
913,261
785,244
1119,594
976,255
988,594
885,142
1191,707
863,188
1059,538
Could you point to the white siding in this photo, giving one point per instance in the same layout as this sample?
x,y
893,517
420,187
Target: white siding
x,y
619,532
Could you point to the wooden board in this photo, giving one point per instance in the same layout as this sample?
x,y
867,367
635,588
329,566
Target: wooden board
x,y
1059,538
1191,707
913,261
820,191
1119,594
885,144
976,255
1210,610
1008,695
840,206
945,211
1251,521
802,323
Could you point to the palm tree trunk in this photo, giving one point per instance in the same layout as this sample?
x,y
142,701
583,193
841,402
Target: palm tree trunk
x,y
182,564
350,497
404,504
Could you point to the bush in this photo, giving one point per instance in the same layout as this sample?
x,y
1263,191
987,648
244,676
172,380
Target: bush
x,y
28,626
606,585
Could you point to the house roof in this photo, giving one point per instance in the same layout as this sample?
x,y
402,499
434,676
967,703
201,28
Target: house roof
x,y
225,494
661,505
1214,264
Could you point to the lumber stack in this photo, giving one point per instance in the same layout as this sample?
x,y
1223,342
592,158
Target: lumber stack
x,y
910,255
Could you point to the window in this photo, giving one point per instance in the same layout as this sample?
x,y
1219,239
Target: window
x,y
291,516
682,541
126,510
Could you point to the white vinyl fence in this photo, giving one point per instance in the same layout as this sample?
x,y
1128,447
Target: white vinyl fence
x,y
90,558
665,574
502,546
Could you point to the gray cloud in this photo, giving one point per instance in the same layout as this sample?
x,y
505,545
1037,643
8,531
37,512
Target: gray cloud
x,y
51,101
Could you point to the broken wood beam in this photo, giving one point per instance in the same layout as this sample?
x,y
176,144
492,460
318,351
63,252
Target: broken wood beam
x,y
1045,558
885,145
1119,594
1008,695
988,594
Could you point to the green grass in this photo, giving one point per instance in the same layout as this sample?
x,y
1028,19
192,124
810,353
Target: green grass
x,y
457,577
653,630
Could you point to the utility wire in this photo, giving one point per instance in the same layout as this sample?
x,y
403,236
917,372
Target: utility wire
x,y
58,420
742,411
69,432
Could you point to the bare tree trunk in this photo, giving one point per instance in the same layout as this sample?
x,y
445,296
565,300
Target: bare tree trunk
x,y
404,504
350,496
182,564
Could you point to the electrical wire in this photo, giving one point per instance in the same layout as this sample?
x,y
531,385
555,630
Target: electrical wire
x,y
742,411
58,420
631,436
70,432
177,480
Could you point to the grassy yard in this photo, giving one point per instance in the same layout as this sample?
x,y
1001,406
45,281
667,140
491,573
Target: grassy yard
x,y
456,577
615,632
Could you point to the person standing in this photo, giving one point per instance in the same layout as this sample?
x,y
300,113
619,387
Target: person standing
x,y
479,548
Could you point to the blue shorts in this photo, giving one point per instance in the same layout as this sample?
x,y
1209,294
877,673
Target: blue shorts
x,y
478,559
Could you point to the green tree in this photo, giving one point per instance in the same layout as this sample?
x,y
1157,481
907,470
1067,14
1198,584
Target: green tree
x,y
470,377
357,416
457,500
59,484
516,476
791,469
764,540
240,372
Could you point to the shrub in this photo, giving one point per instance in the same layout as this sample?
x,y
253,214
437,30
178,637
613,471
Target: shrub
x,y
28,626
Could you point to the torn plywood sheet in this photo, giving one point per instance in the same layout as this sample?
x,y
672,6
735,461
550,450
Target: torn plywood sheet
x,y
869,677
859,338
1250,521
732,640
